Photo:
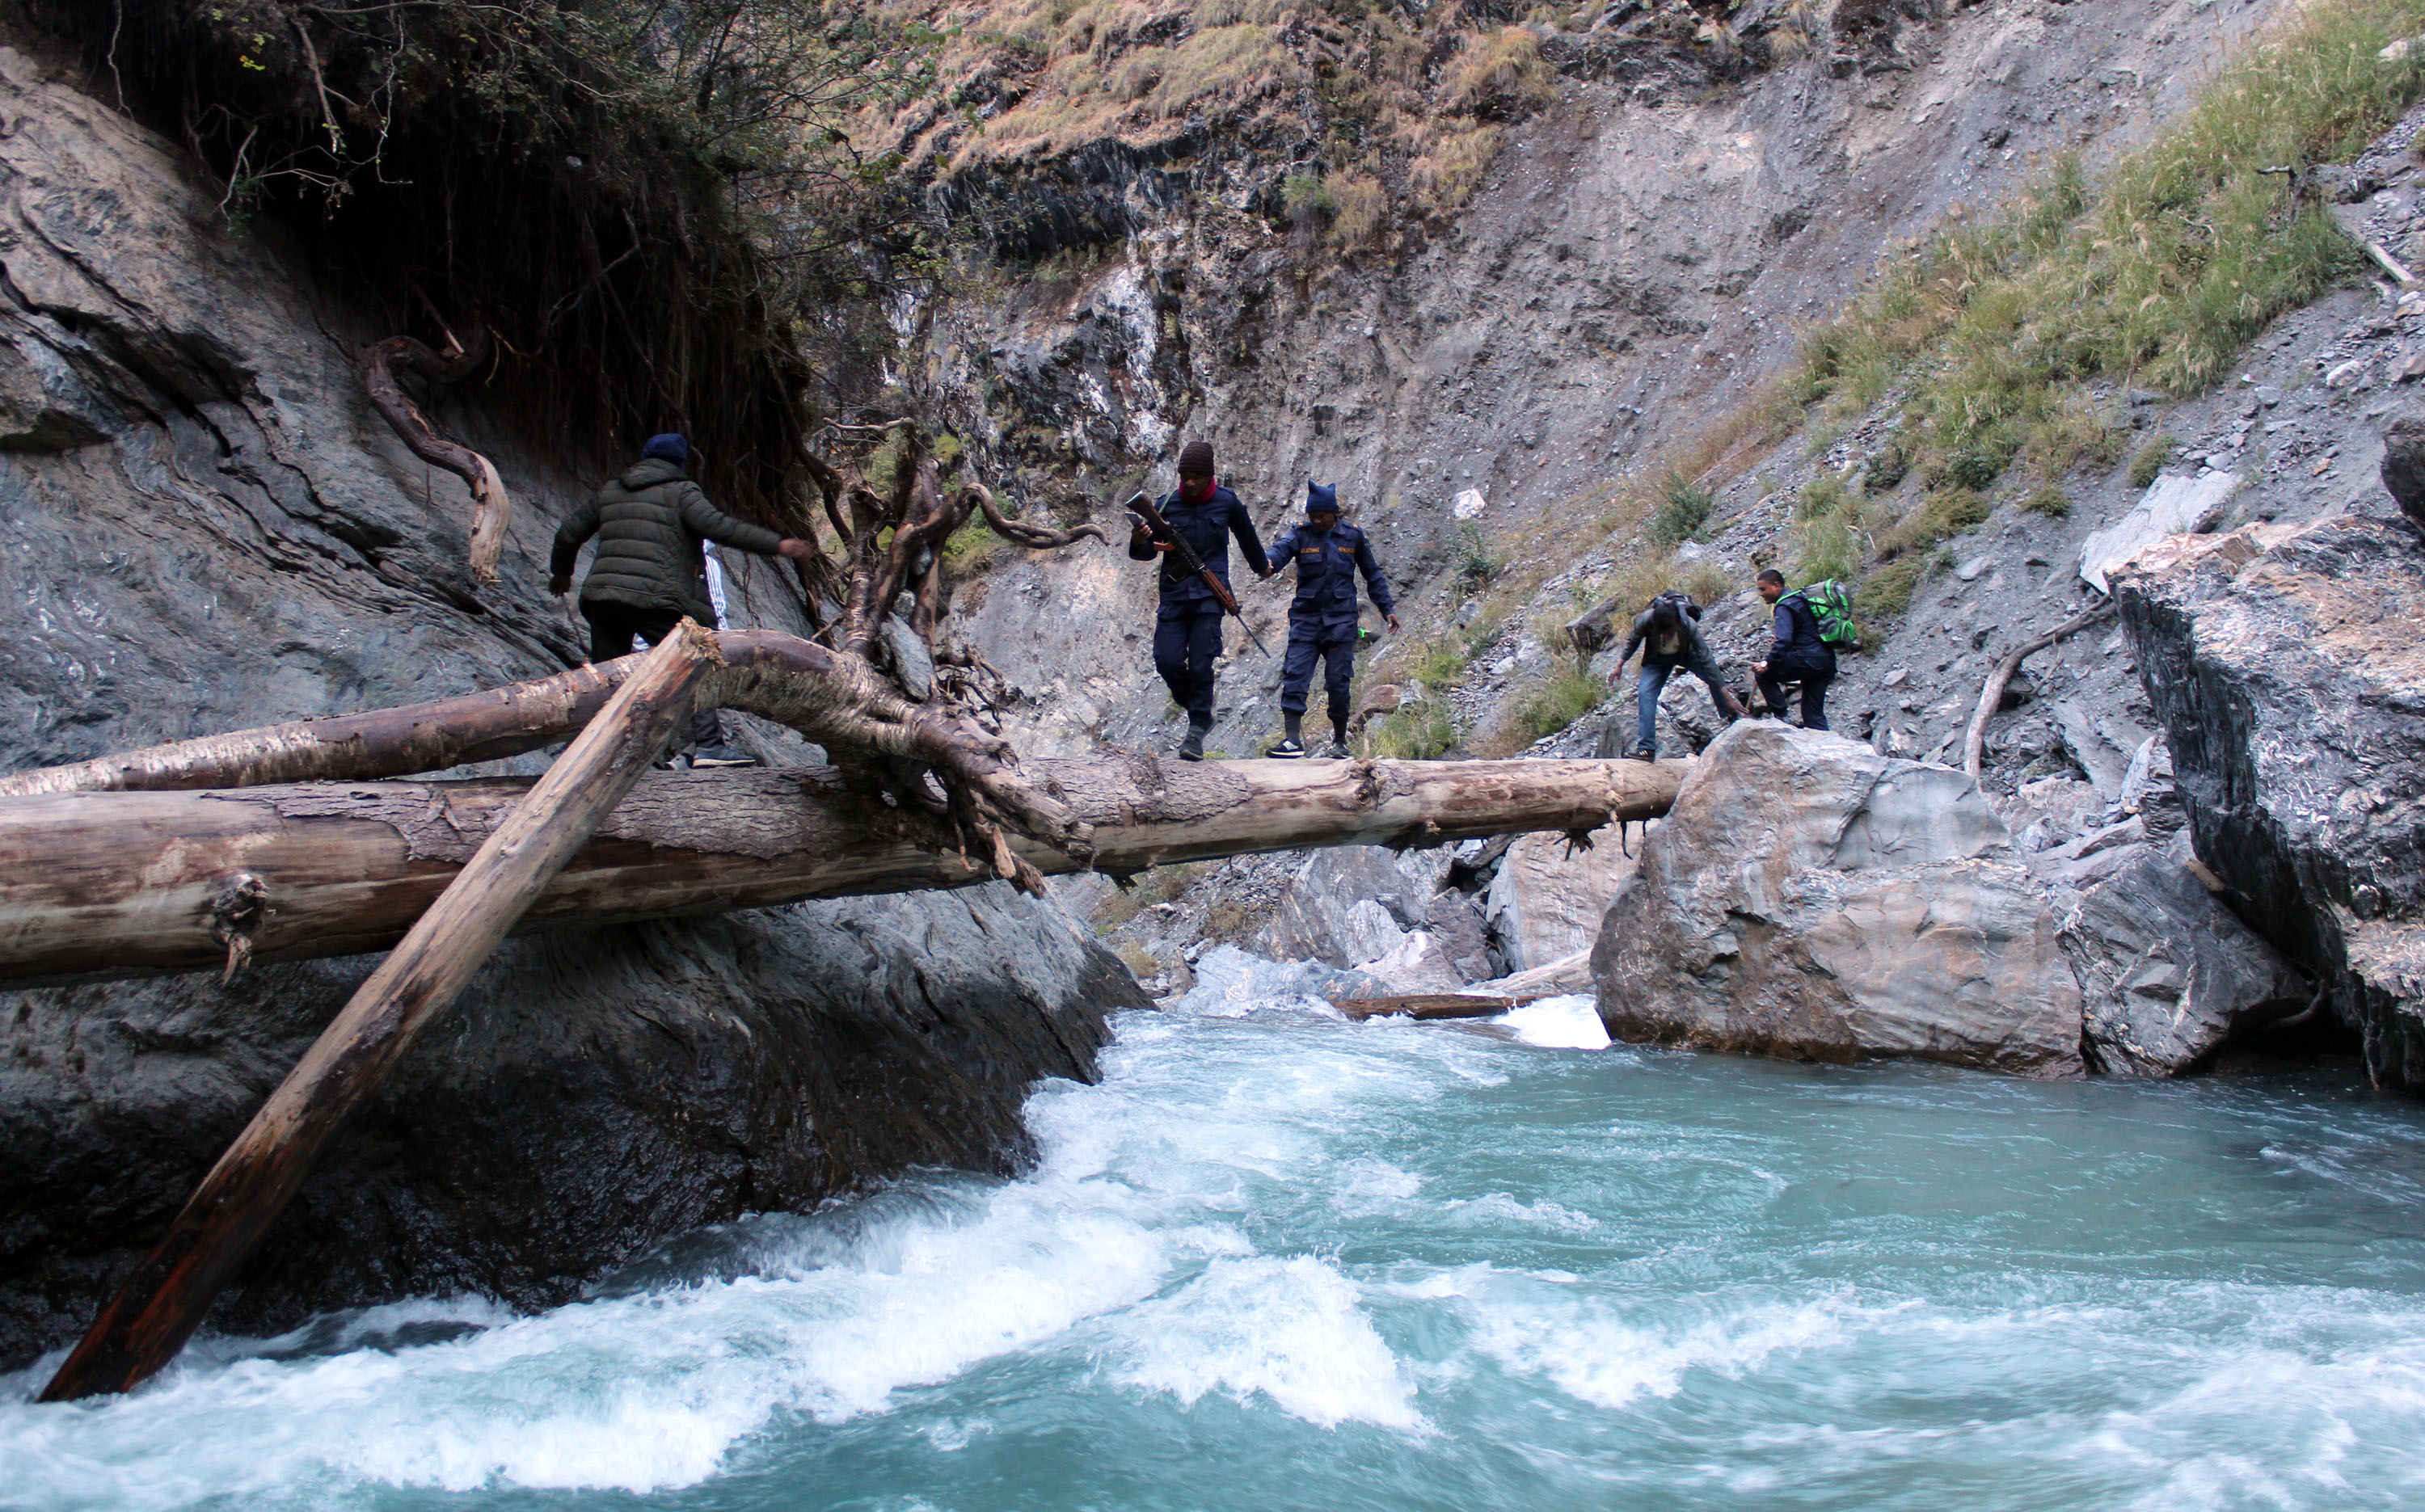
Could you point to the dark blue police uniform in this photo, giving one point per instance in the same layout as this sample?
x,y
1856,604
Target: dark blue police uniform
x,y
1321,617
1187,628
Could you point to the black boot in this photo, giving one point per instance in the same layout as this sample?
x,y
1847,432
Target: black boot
x,y
1291,745
1337,751
1191,748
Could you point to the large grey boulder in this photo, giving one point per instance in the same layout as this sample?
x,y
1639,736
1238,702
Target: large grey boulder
x,y
1548,897
1808,897
2282,662
1317,919
2167,975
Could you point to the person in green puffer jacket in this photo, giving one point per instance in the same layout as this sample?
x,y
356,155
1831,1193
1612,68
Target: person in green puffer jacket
x,y
649,573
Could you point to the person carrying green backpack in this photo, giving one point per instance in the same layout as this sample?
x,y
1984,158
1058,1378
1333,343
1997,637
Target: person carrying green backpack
x,y
1803,650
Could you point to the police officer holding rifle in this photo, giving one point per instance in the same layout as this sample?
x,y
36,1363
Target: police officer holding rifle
x,y
1190,533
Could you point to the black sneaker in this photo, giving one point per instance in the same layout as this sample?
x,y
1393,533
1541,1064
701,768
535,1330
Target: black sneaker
x,y
720,756
1287,750
1335,750
1191,748
1640,755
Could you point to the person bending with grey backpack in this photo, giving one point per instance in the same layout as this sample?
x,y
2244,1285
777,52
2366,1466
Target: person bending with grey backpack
x,y
1668,635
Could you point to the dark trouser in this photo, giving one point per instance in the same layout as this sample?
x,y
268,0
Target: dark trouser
x,y
612,629
1335,647
1186,643
1653,682
1814,692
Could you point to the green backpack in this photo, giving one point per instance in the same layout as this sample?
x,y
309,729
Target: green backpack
x,y
1832,607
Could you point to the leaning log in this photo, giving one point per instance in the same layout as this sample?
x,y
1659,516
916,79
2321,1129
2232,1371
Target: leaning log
x,y
158,1307
96,885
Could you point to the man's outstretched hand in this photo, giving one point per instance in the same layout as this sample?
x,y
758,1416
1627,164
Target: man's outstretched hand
x,y
1394,626
560,584
794,548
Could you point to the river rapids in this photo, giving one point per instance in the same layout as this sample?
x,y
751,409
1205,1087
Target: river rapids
x,y
1278,1260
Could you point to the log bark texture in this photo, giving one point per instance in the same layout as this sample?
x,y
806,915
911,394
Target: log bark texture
x,y
160,1305
112,884
835,699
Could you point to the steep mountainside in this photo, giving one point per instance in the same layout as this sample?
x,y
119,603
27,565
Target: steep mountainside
x,y
1642,251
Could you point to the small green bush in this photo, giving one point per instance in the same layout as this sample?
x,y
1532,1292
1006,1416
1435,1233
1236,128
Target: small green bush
x,y
2050,502
2148,465
1306,201
1885,593
1418,732
1683,514
1825,547
1946,513
1475,565
1822,495
1558,703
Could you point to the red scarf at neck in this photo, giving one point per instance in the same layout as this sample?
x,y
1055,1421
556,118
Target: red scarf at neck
x,y
1189,495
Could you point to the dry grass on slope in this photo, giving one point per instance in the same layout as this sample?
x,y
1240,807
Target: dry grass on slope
x,y
1400,110
2012,334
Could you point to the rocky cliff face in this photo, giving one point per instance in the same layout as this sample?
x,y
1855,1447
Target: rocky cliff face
x,y
204,528
1638,256
2284,662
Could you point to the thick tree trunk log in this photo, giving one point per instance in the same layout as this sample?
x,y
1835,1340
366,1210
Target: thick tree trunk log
x,y
159,1306
836,699
98,885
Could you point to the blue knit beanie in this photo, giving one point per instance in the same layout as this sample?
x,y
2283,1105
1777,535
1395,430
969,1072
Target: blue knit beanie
x,y
669,447
1320,499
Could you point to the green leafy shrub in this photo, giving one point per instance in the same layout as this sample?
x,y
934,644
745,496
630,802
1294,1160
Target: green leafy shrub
x,y
2148,465
1682,513
1475,565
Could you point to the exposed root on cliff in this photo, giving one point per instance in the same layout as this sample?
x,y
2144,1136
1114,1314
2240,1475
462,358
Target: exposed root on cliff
x,y
378,365
1991,696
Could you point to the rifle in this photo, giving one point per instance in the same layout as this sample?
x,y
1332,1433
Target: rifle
x,y
1160,529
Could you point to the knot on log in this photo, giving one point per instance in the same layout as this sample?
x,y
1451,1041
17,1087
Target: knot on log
x,y
238,910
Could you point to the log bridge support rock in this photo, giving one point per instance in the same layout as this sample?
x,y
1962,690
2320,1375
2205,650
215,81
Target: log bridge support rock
x,y
209,852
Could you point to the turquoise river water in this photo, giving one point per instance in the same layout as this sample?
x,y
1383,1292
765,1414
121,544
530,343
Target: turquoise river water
x,y
1276,1259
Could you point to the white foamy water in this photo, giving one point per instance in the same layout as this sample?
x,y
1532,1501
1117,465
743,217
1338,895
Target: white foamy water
x,y
1281,1260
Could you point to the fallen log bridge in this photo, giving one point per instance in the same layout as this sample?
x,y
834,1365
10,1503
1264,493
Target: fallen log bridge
x,y
209,852
113,884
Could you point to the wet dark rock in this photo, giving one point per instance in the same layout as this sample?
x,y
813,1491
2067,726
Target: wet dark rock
x,y
594,1093
2282,662
2403,460
208,530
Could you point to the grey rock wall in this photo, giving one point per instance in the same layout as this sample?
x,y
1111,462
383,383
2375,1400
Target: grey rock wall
x,y
202,527
2283,662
